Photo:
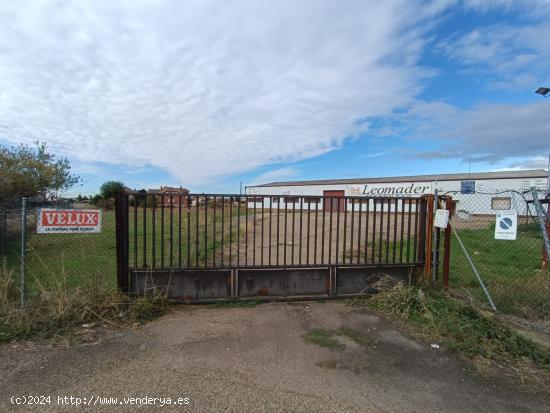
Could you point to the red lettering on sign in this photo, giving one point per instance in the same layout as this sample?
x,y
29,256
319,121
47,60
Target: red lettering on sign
x,y
70,218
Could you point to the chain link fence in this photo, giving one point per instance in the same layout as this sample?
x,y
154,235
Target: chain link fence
x,y
10,234
56,260
514,271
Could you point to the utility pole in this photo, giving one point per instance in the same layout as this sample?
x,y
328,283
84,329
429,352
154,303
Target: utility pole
x,y
542,218
23,265
548,177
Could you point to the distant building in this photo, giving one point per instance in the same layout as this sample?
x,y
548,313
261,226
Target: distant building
x,y
492,190
169,195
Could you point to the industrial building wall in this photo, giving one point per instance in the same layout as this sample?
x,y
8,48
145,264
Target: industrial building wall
x,y
488,193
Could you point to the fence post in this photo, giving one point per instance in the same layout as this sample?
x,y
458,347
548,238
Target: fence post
x,y
3,231
542,218
428,231
447,244
544,253
121,224
23,286
434,252
422,247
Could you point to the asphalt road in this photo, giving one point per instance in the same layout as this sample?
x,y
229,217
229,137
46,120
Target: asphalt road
x,y
253,359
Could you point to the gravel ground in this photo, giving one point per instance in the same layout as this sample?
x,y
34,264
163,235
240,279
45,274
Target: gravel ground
x,y
254,359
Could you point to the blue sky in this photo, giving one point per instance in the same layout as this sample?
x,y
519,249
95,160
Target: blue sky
x,y
208,94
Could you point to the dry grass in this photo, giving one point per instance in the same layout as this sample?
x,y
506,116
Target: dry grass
x,y
57,308
495,349
6,287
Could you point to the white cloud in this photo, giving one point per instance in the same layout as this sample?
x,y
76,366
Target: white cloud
x,y
486,133
280,174
530,6
373,155
87,168
538,162
506,56
204,89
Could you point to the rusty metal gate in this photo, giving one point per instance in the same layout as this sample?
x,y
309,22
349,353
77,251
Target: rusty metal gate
x,y
202,247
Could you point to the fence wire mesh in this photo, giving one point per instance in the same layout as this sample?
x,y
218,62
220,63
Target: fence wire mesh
x,y
54,261
514,271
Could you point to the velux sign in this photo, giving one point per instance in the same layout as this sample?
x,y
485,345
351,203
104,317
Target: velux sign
x,y
52,221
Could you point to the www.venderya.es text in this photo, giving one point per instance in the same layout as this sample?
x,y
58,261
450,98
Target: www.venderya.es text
x,y
96,400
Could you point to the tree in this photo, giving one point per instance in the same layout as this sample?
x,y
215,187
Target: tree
x,y
95,199
33,171
110,189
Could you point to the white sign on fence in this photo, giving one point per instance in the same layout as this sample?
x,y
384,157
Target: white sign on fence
x,y
55,221
506,225
441,219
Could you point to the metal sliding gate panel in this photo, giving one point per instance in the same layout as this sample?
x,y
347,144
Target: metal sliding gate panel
x,y
250,245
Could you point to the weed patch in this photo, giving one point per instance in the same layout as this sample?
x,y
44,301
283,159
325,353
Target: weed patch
x,y
58,308
323,338
459,327
326,338
354,335
237,304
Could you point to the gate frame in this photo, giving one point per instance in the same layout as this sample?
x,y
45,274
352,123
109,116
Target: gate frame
x,y
122,241
124,282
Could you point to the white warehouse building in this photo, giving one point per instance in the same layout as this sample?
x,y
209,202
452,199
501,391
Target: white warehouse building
x,y
478,193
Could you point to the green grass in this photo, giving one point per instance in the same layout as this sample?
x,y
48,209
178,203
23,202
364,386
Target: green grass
x,y
91,258
326,338
511,270
237,304
83,258
323,338
458,327
354,335
195,227
507,259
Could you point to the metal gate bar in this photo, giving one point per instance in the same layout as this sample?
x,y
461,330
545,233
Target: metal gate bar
x,y
245,231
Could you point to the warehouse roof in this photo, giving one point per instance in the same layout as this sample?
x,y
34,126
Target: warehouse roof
x,y
530,173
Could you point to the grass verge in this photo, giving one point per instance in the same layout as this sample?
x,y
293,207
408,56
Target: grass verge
x,y
58,309
459,327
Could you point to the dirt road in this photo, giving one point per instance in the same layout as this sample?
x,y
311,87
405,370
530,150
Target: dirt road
x,y
255,359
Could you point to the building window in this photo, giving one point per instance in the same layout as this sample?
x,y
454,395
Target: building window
x,y
381,201
501,203
292,200
312,200
275,199
256,199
